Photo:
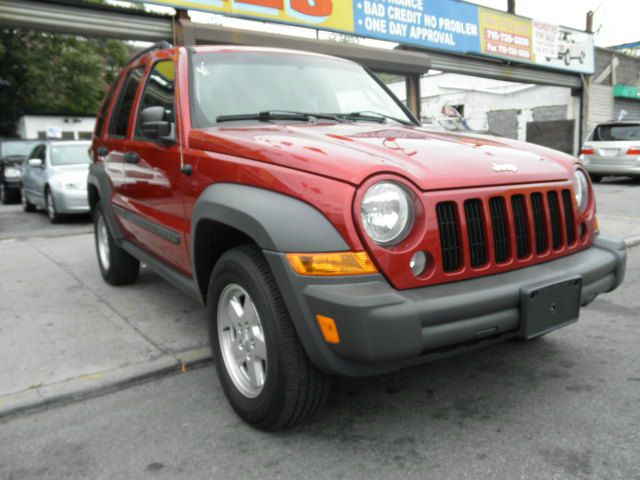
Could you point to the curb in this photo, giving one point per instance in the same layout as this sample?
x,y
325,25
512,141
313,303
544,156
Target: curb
x,y
632,241
97,384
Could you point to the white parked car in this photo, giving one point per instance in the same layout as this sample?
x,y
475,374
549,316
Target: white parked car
x,y
612,149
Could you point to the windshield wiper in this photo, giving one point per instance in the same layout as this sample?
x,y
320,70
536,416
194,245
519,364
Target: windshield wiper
x,y
371,116
278,115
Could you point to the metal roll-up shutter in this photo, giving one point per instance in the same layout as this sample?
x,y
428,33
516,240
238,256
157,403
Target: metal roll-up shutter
x,y
600,105
85,19
489,68
632,107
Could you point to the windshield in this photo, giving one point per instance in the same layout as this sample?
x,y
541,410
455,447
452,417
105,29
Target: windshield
x,y
612,133
22,149
249,83
70,154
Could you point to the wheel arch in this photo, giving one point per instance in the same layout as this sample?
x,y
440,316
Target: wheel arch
x,y
93,195
228,215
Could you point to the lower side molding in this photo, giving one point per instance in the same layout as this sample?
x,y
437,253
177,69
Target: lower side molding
x,y
184,283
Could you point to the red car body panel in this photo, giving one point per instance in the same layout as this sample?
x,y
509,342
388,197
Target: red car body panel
x,y
329,166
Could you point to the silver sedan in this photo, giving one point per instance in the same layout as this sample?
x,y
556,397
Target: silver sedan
x,y
613,149
55,178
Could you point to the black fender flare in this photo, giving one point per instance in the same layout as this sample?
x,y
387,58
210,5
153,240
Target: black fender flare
x,y
100,180
276,222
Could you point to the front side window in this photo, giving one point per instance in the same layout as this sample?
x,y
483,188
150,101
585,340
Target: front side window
x,y
159,90
70,154
122,114
248,83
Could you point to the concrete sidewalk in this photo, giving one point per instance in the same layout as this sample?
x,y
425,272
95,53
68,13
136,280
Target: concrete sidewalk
x,y
65,334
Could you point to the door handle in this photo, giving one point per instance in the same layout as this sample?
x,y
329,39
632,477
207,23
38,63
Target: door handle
x,y
102,151
131,157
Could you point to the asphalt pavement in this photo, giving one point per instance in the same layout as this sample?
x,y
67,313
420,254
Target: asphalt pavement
x,y
566,406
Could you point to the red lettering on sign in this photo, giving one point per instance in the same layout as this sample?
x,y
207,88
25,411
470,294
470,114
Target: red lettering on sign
x,y
316,8
279,4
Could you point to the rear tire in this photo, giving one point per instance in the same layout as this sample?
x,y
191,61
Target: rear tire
x,y
117,266
290,388
27,206
595,178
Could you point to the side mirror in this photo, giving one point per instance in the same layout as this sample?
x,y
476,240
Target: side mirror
x,y
35,163
154,125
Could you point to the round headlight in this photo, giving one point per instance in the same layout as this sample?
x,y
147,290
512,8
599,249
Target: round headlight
x,y
581,190
387,214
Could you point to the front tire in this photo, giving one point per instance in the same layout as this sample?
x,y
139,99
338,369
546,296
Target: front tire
x,y
262,366
6,196
117,266
27,206
50,206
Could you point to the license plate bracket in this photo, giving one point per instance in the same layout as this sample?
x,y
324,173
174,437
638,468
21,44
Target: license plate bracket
x,y
547,307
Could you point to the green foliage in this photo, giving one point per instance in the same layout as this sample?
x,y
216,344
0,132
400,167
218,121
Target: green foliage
x,y
54,73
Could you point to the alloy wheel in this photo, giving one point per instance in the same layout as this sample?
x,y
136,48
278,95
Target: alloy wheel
x,y
51,208
242,341
103,242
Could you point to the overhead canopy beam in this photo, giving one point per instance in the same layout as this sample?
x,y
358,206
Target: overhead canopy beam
x,y
488,68
85,19
400,62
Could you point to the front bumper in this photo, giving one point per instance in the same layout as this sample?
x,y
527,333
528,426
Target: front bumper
x,y
71,201
383,329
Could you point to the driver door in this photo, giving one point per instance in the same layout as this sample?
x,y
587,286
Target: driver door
x,y
153,176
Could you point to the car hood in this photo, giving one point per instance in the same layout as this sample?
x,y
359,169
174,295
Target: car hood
x,y
352,152
71,172
12,160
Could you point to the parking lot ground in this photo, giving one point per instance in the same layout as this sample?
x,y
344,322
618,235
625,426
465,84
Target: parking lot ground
x,y
566,406
14,223
66,335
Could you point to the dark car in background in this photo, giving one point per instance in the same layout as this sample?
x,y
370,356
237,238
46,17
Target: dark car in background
x,y
13,153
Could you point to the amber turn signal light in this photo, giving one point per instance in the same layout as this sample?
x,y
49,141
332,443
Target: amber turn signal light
x,y
332,264
329,329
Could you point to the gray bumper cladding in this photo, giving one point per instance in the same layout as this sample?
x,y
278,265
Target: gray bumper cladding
x,y
383,329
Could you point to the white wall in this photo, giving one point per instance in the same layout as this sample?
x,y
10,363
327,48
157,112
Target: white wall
x,y
30,126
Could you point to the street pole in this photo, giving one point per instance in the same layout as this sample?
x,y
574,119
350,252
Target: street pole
x,y
511,6
590,21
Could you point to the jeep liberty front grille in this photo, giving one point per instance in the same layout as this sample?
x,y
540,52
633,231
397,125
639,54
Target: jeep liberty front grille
x,y
497,233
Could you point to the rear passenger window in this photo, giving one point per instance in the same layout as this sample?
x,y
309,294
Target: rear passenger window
x,y
121,116
103,111
159,91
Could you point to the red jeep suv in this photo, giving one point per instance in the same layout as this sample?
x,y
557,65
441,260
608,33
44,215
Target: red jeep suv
x,y
326,231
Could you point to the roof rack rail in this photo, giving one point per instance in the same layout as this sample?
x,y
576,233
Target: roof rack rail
x,y
156,46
